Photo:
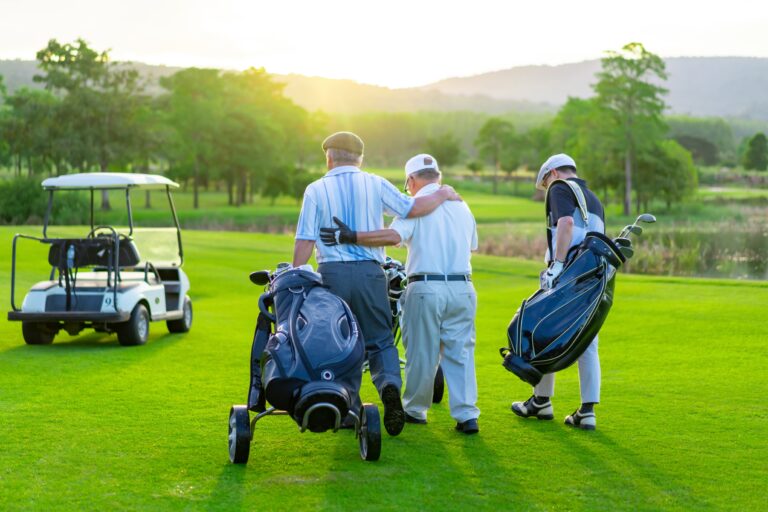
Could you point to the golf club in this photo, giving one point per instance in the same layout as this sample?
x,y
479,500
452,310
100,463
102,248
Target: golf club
x,y
627,251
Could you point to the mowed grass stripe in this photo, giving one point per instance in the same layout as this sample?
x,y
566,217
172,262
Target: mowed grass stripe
x,y
88,424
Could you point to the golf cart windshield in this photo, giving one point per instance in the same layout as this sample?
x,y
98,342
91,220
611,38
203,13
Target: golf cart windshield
x,y
156,245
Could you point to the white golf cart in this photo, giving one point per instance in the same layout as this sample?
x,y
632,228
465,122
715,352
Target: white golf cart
x,y
99,280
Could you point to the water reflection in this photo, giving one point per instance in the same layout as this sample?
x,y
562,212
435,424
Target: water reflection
x,y
728,251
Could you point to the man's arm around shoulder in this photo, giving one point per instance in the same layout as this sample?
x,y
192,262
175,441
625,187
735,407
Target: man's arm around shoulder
x,y
425,205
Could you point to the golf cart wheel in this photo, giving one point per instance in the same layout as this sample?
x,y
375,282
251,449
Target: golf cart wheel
x,y
183,324
370,432
239,434
439,389
37,333
136,330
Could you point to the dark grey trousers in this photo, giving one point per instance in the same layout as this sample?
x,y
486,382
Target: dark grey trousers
x,y
363,286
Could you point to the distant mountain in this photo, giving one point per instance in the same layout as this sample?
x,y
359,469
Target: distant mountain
x,y
698,86
349,97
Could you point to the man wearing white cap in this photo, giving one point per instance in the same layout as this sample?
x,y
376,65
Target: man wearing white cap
x,y
440,301
572,211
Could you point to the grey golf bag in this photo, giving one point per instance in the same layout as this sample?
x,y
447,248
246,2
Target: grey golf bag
x,y
302,366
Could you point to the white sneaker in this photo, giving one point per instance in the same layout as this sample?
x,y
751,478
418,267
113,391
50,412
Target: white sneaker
x,y
530,408
584,421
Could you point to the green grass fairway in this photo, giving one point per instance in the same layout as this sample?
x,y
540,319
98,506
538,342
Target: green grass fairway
x,y
88,425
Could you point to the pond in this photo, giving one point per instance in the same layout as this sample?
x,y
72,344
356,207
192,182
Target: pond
x,y
733,250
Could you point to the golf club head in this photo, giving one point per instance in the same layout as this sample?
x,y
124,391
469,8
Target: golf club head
x,y
628,252
636,230
260,277
622,242
647,218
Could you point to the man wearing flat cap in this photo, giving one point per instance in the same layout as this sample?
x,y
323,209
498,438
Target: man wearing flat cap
x,y
572,211
440,301
354,272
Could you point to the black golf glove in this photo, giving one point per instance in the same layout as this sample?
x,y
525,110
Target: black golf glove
x,y
340,235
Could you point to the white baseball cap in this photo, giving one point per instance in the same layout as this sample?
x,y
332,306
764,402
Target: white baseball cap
x,y
420,163
552,163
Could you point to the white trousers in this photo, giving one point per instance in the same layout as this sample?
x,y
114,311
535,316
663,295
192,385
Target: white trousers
x,y
589,377
439,329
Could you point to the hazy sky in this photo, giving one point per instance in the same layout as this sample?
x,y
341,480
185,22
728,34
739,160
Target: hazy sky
x,y
395,43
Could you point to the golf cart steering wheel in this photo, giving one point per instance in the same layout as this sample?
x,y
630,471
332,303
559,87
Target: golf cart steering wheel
x,y
112,231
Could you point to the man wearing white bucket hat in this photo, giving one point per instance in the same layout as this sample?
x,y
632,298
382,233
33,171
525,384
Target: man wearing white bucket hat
x,y
572,211
440,301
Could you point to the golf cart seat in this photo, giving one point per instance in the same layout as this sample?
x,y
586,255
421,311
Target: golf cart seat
x,y
93,252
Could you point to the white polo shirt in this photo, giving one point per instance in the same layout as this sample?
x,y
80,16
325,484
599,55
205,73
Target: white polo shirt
x,y
441,242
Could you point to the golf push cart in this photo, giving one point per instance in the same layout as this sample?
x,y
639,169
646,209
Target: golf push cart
x,y
99,280
306,355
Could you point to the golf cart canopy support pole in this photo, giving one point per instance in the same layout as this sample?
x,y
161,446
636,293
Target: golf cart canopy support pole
x,y
91,209
48,214
176,222
130,212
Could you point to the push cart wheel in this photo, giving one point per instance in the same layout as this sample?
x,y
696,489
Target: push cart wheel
x,y
183,324
37,334
239,434
439,389
370,432
136,330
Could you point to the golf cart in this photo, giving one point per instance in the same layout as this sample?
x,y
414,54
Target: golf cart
x,y
99,280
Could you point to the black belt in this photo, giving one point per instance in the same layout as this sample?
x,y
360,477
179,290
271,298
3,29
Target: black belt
x,y
439,277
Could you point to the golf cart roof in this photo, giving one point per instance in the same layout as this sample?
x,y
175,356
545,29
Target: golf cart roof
x,y
108,180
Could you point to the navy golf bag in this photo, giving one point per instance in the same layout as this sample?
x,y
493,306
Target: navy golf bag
x,y
554,327
315,348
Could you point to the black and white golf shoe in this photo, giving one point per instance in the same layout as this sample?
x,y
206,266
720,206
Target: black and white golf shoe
x,y
584,421
531,409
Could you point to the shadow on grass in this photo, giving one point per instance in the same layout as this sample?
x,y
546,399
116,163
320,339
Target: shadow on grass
x,y
644,484
429,467
97,342
231,489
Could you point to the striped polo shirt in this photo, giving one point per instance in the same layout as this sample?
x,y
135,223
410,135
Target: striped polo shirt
x,y
359,199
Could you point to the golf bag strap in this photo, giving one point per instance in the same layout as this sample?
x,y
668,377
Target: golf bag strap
x,y
293,330
256,401
581,202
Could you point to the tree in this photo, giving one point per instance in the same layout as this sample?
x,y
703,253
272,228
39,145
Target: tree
x,y
494,140
193,109
756,156
101,105
625,89
30,129
666,172
590,134
445,148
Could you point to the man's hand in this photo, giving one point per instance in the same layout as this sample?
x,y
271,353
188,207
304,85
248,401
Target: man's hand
x,y
449,193
340,235
548,276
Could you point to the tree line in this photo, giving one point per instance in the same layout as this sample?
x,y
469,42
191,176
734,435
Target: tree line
x,y
95,115
238,131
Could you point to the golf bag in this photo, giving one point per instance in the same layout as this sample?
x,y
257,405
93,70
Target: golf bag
x,y
314,349
552,328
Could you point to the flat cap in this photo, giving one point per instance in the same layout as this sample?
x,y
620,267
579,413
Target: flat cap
x,y
347,141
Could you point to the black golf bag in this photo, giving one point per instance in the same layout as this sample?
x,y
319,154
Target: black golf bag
x,y
554,327
314,349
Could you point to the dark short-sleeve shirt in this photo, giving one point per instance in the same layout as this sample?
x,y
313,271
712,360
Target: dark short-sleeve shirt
x,y
562,201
